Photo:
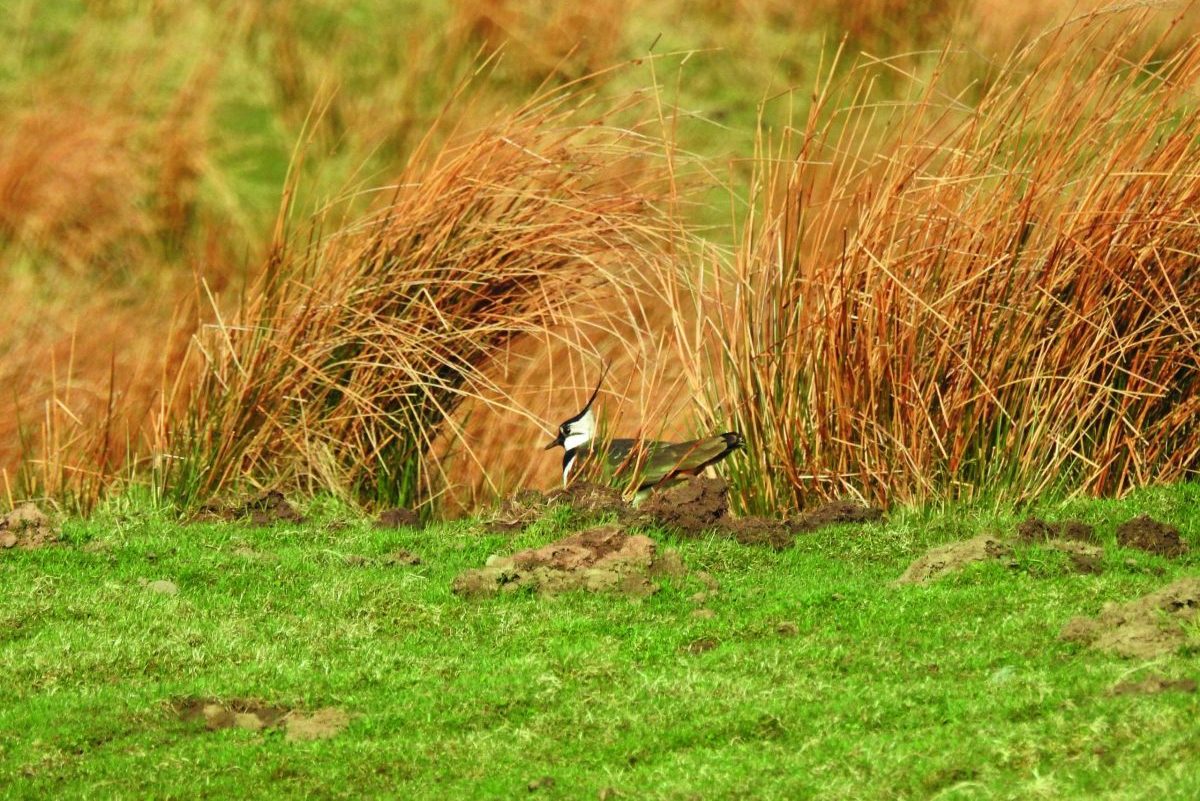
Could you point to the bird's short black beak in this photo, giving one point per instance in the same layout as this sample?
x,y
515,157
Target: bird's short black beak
x,y
555,443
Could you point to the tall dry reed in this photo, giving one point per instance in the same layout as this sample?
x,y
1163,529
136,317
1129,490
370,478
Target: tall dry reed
x,y
1001,300
357,345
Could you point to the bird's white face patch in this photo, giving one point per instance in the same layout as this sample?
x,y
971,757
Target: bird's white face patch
x,y
581,431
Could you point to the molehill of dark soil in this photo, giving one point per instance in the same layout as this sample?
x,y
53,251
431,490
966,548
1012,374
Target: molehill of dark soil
x,y
247,713
398,518
601,559
262,510
692,508
27,527
1146,627
1034,529
1073,539
1147,534
701,505
1153,685
943,560
528,506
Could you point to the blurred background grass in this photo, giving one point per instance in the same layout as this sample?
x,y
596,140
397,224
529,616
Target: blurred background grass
x,y
157,159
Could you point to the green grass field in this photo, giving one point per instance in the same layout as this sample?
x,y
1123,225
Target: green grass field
x,y
813,678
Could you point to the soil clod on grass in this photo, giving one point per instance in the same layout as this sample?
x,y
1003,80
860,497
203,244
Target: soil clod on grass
x,y
590,499
701,645
242,713
1147,534
1084,557
528,506
1145,627
832,513
252,715
270,508
598,559
398,518
400,558
544,783
516,512
1034,529
701,505
1153,685
320,725
691,508
952,557
264,510
27,527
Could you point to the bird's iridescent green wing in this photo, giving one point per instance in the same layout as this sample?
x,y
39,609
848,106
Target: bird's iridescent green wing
x,y
664,460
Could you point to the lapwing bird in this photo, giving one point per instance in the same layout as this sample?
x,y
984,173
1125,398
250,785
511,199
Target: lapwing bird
x,y
655,464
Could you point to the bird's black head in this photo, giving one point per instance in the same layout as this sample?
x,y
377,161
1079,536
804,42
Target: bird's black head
x,y
578,430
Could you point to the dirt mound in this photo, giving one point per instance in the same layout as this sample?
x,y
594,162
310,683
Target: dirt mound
x,y
1153,685
262,510
252,715
598,559
1034,529
701,505
700,646
1147,534
528,506
690,508
833,513
952,557
320,725
242,713
1084,557
400,558
398,518
27,527
268,509
590,498
1142,628
516,512
776,534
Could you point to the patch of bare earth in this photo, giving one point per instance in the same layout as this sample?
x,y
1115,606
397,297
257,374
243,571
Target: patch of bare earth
x,y
1034,529
952,557
398,518
266,509
1074,539
601,559
1153,685
1145,627
528,506
701,505
252,715
27,527
694,507
400,558
1147,534
516,512
1084,557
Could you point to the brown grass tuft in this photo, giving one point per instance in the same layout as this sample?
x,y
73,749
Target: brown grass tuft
x,y
352,353
1000,300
